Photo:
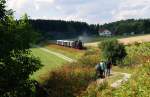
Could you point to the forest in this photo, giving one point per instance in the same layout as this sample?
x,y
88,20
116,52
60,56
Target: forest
x,y
60,29
140,26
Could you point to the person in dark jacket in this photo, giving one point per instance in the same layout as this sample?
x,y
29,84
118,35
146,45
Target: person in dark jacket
x,y
100,70
109,65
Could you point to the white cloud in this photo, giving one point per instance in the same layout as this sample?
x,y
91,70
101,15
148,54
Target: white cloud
x,y
16,4
133,9
49,1
91,11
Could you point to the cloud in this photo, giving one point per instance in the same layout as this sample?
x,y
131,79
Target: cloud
x,y
16,4
133,9
49,1
91,11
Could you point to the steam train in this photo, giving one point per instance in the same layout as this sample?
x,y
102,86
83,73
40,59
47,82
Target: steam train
x,y
78,44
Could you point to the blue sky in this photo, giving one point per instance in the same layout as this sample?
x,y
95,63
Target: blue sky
x,y
90,11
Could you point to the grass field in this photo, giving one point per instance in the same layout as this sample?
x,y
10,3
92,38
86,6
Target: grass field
x,y
48,60
69,52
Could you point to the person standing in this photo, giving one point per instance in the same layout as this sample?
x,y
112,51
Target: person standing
x,y
109,66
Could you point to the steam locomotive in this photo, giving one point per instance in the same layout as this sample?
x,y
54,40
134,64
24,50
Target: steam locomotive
x,y
78,44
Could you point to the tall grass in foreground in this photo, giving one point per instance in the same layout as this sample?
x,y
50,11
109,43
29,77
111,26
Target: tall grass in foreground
x,y
72,79
137,54
69,81
138,85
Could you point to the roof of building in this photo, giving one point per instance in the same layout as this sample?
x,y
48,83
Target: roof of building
x,y
102,30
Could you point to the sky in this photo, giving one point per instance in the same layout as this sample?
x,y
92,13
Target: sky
x,y
90,11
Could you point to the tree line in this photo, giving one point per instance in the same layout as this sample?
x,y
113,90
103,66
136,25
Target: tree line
x,y
60,29
140,26
56,29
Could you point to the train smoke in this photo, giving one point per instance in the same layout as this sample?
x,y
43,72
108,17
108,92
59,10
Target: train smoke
x,y
84,37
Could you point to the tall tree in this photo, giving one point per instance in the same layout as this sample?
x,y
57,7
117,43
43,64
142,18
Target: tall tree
x,y
2,9
112,51
16,63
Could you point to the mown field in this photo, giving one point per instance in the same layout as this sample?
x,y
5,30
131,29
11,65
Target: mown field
x,y
49,62
69,52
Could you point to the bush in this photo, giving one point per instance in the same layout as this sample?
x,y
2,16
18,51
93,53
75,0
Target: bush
x,y
137,54
69,81
112,51
95,90
90,58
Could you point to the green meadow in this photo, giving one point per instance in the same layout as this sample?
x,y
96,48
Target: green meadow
x,y
49,62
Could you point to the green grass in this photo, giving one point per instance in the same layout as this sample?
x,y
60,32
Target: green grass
x,y
69,52
48,60
123,69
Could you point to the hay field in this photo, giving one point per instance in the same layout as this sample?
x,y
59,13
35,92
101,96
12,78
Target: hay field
x,y
130,40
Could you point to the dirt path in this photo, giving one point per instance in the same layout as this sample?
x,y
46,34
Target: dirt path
x,y
117,83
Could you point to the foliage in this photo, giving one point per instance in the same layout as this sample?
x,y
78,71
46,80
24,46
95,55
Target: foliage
x,y
90,58
69,81
112,51
2,9
59,29
72,79
138,86
95,90
122,27
16,64
137,53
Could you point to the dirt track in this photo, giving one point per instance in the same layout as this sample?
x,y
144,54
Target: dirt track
x,y
130,40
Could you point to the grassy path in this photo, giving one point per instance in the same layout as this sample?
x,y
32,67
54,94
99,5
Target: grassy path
x,y
58,54
116,79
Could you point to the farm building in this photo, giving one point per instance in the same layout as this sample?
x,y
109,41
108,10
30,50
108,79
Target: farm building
x,y
104,32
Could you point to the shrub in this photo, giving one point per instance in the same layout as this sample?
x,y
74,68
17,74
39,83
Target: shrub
x,y
90,58
95,90
137,54
112,51
69,81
